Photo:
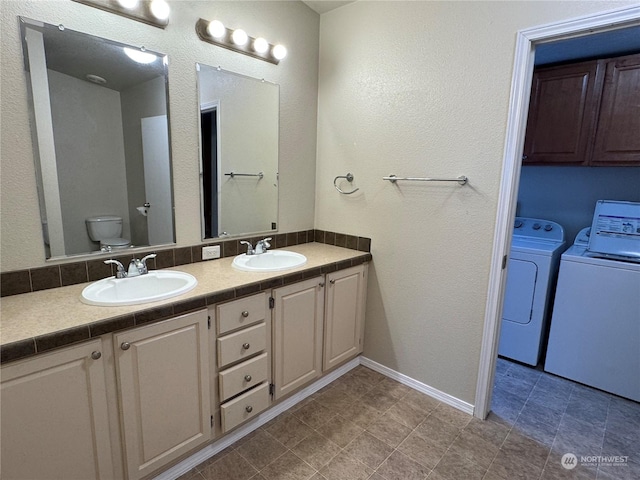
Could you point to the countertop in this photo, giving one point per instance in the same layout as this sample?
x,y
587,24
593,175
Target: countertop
x,y
34,322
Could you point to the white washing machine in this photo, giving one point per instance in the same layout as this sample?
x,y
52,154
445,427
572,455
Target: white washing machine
x,y
595,327
533,266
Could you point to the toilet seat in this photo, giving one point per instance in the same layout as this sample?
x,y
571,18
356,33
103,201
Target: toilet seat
x,y
115,243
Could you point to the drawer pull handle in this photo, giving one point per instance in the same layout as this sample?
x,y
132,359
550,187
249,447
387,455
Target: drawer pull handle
x,y
245,314
125,345
249,408
247,378
96,355
246,346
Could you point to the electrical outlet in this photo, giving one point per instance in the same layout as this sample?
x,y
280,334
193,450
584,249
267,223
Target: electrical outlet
x,y
209,253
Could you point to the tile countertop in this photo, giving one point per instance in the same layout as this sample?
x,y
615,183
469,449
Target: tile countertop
x,y
39,315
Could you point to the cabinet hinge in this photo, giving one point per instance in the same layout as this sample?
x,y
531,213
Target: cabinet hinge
x,y
272,389
504,262
211,421
272,302
209,322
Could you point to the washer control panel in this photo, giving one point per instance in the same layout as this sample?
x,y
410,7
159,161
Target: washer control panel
x,y
536,228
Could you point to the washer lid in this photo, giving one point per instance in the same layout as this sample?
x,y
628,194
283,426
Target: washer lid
x,y
616,229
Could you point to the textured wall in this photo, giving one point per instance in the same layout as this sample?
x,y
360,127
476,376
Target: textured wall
x,y
422,89
290,23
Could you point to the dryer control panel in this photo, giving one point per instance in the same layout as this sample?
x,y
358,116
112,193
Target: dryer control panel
x,y
538,229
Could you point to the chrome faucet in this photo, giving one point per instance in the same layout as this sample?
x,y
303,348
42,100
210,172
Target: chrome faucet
x,y
136,266
262,246
250,250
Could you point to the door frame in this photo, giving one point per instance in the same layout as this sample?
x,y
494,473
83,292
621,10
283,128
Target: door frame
x,y
526,41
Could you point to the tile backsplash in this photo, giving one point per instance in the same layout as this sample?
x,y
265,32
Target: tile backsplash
x,y
34,279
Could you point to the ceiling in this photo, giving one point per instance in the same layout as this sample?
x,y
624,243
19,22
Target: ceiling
x,y
324,6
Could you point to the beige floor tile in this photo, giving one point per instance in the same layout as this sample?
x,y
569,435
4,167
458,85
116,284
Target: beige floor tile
x,y
400,467
345,467
316,450
511,467
406,414
378,398
314,414
361,414
395,388
367,374
355,386
286,467
335,399
421,401
475,448
229,467
438,431
261,450
389,431
454,466
452,415
491,431
520,446
369,450
289,431
422,451
340,430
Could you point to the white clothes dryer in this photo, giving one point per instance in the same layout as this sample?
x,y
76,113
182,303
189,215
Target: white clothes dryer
x,y
595,328
533,266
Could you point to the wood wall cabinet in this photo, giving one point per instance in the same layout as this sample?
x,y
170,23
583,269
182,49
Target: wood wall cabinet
x,y
344,315
586,113
163,374
55,422
298,317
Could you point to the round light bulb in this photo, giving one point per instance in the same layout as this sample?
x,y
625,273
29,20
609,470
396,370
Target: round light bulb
x,y
260,45
128,4
216,29
279,52
160,9
239,37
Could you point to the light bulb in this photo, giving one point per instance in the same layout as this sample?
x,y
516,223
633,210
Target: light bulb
x,y
260,45
279,52
160,9
239,37
139,56
129,4
216,29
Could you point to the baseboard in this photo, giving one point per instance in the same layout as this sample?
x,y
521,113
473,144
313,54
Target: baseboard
x,y
210,450
416,385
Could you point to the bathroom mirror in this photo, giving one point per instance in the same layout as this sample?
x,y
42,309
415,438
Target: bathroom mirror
x,y
239,119
99,112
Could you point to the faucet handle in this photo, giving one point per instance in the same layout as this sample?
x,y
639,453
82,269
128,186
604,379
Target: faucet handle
x,y
120,271
250,250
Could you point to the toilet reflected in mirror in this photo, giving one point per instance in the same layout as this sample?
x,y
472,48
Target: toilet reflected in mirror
x,y
106,231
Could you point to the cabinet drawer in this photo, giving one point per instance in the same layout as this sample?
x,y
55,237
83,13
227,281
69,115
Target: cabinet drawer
x,y
240,345
244,407
243,376
241,313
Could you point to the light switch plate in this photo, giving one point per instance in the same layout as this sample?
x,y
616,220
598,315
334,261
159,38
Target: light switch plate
x,y
209,253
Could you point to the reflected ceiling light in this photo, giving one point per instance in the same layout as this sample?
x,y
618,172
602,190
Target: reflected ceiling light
x,y
260,45
160,9
216,33
279,51
239,37
216,29
129,4
155,12
140,56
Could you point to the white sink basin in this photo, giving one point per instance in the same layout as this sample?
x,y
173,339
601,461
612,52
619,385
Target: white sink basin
x,y
272,261
151,287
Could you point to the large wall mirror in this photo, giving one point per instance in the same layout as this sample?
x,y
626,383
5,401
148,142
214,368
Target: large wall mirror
x,y
239,153
99,112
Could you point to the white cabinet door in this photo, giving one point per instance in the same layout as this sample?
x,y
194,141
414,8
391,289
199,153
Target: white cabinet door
x,y
54,421
344,316
297,337
163,373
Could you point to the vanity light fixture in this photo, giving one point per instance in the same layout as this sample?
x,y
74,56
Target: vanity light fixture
x,y
152,12
216,33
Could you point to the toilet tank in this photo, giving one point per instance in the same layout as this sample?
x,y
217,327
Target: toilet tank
x,y
104,226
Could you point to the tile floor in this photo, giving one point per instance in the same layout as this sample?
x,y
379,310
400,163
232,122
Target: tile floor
x,y
364,426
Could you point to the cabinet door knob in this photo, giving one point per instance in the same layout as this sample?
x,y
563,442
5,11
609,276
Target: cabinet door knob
x,y
246,346
525,157
249,408
125,345
96,355
247,378
332,281
321,284
245,314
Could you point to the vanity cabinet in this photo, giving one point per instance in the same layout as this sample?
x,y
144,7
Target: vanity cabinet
x,y
55,422
344,315
164,393
243,347
298,317
585,114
